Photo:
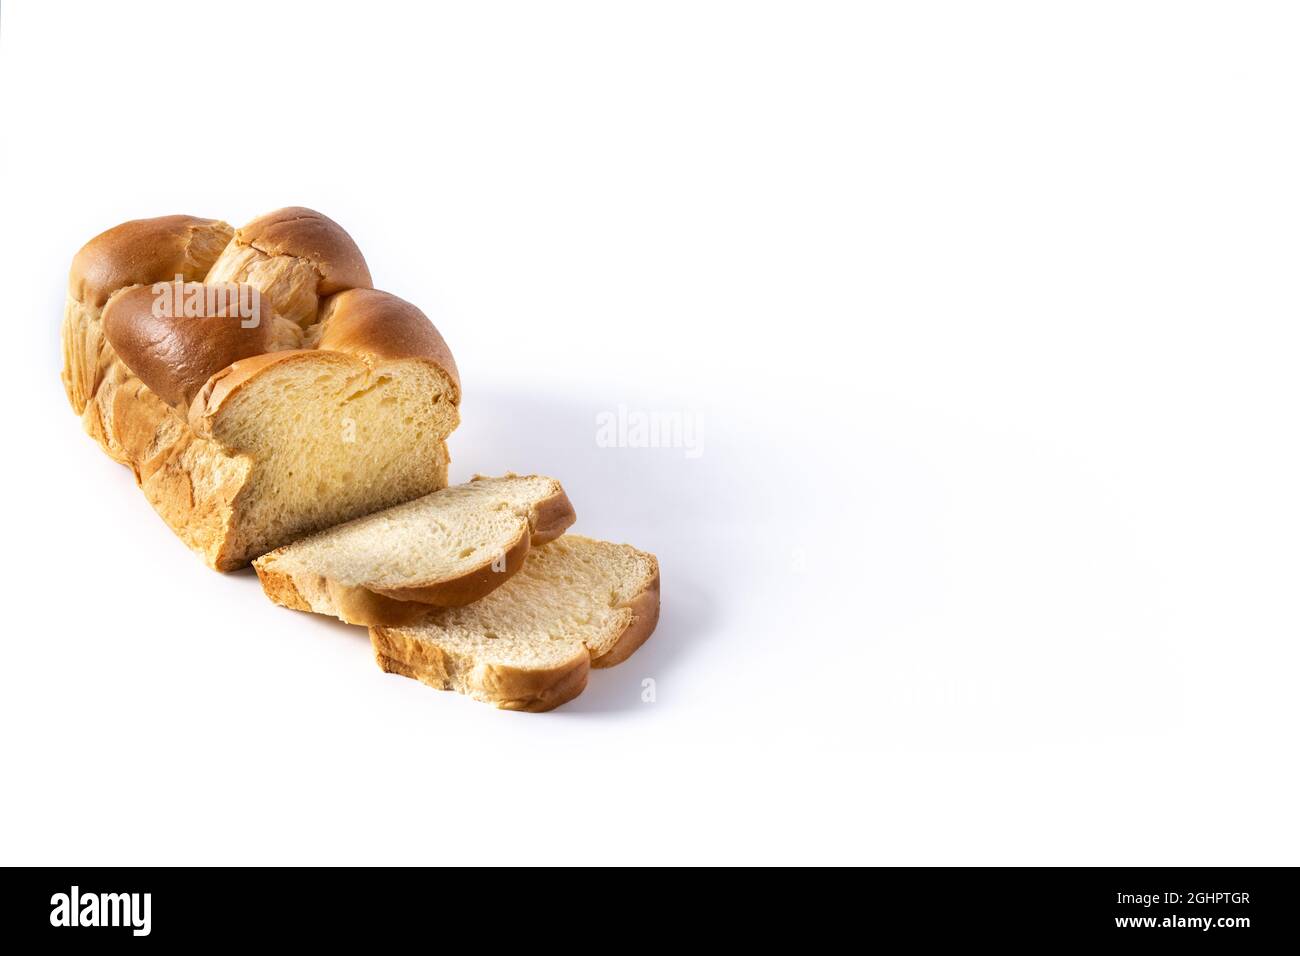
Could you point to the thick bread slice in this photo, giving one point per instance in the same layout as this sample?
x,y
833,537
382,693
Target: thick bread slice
x,y
446,549
575,604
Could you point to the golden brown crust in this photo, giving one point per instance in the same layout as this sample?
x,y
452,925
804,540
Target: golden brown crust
x,y
353,605
188,481
645,615
378,326
306,234
536,692
175,355
191,483
144,251
509,688
280,589
552,517
295,257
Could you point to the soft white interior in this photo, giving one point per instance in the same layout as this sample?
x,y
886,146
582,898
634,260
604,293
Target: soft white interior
x,y
332,439
439,537
574,590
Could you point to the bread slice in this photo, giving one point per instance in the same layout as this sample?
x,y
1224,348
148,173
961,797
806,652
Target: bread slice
x,y
575,604
446,549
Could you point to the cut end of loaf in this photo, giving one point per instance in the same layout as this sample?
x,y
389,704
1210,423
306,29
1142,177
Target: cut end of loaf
x,y
330,438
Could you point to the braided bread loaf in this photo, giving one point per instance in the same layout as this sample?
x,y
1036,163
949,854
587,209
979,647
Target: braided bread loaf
x,y
332,401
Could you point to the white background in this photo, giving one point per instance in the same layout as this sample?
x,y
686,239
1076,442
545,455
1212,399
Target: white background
x,y
988,313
